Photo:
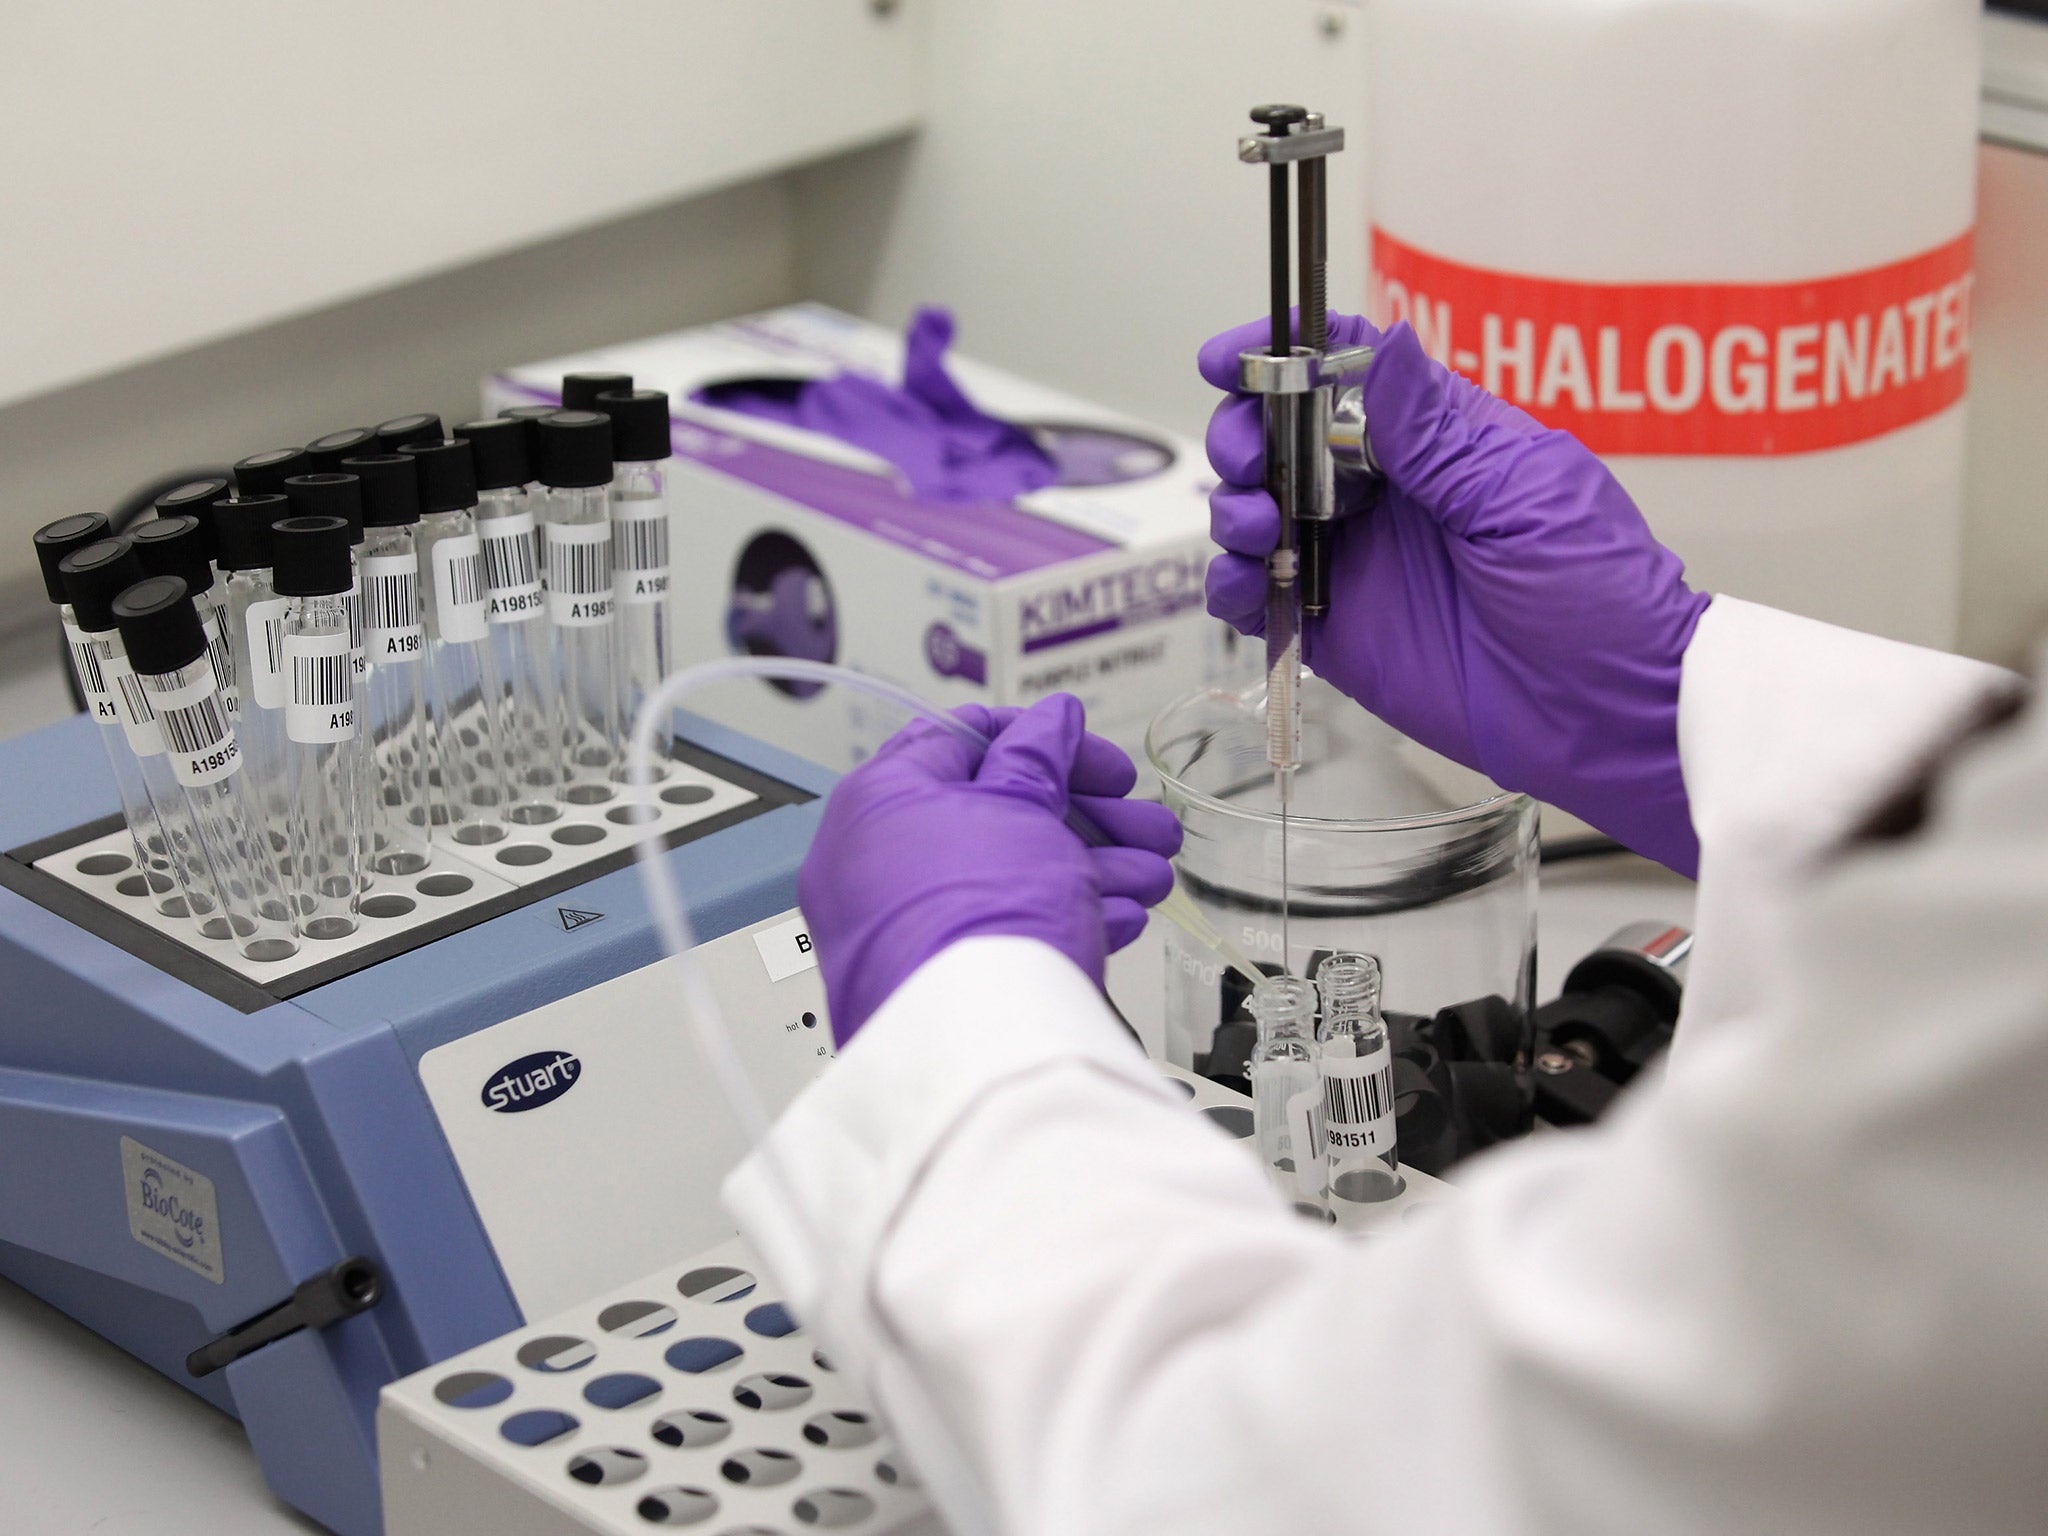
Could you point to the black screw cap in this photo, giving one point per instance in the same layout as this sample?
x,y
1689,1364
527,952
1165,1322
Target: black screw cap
x,y
639,424
195,498
94,576
309,556
391,488
264,474
328,496
159,625
575,449
56,540
174,546
401,432
447,472
241,530
580,390
499,449
325,454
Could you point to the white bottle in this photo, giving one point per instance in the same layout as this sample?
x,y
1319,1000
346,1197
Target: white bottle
x,y
1754,217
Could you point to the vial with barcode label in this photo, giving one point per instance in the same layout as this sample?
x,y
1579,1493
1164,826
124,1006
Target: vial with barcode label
x,y
324,764
241,542
575,464
152,852
526,416
330,494
510,535
171,653
640,553
463,682
1287,1090
93,577
196,498
1358,1087
396,727
176,545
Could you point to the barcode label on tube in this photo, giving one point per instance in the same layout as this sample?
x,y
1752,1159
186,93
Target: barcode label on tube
x,y
222,659
1305,1137
640,550
138,719
461,601
1358,1102
352,605
266,652
197,735
512,567
391,608
579,573
92,679
322,705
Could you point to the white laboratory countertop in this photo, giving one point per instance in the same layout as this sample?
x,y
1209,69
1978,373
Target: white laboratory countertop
x,y
92,1441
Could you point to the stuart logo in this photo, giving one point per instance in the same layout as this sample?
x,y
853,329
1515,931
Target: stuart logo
x,y
1137,594
187,1225
531,1081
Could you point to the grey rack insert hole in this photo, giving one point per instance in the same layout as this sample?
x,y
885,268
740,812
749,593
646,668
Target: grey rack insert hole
x,y
387,905
444,885
102,864
577,834
525,853
686,794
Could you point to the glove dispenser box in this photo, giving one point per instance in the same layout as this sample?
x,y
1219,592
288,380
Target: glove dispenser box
x,y
792,542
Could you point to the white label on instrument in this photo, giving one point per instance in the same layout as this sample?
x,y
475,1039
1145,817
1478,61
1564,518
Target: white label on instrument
x,y
1305,1134
197,735
214,623
512,567
266,652
786,949
322,704
461,601
640,550
172,1210
87,656
579,573
391,608
138,718
1358,1102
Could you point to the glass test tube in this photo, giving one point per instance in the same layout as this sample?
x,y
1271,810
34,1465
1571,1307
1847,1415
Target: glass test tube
x,y
520,635
330,494
463,685
324,764
93,577
195,499
1358,1087
176,544
575,464
160,626
255,627
396,724
1286,1075
152,852
640,549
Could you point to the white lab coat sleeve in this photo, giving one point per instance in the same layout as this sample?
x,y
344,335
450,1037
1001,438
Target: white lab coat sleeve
x,y
1799,1285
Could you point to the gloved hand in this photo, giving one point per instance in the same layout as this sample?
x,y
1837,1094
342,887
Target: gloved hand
x,y
931,841
1499,598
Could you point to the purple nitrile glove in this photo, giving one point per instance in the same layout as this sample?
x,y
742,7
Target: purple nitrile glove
x,y
931,841
1499,598
947,447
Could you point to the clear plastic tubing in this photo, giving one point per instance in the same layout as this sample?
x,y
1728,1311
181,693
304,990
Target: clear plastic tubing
x,y
1287,1090
1358,1087
242,537
463,684
168,646
93,577
396,727
324,763
640,543
574,462
520,635
88,656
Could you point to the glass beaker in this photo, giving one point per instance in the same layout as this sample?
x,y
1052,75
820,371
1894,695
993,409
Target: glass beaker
x,y
1393,852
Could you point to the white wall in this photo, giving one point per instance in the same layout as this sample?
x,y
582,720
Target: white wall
x,y
1076,194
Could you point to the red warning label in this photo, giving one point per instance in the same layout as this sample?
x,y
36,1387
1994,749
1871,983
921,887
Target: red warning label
x,y
1697,368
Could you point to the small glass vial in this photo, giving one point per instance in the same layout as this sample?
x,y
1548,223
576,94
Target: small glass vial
x,y
170,651
1286,1079
93,577
640,549
241,534
329,844
463,684
520,635
196,498
575,465
88,663
331,494
1358,1087
175,544
397,728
